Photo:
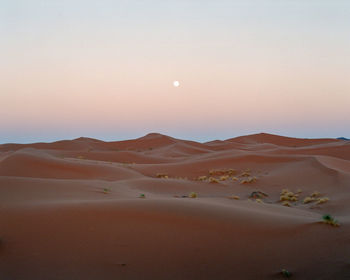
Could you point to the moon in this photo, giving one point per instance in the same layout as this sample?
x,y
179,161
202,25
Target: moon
x,y
176,83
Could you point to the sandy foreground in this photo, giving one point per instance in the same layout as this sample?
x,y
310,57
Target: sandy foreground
x,y
88,209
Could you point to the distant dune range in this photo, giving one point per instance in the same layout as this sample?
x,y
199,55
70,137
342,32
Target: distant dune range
x,y
89,209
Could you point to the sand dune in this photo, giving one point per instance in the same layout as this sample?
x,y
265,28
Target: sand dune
x,y
29,163
280,140
72,209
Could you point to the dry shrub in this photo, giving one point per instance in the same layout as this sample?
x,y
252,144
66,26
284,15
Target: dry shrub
x,y
287,195
284,191
249,180
222,172
193,195
258,194
328,219
308,199
224,178
286,203
322,200
213,180
162,175
315,194
202,178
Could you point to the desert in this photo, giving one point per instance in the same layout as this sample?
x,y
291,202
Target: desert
x,y
260,206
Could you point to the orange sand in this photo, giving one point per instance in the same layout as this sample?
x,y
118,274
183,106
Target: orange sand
x,y
71,209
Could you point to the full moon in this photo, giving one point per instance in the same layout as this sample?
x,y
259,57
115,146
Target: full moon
x,y
176,83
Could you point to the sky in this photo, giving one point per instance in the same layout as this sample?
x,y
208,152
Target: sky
x,y
105,69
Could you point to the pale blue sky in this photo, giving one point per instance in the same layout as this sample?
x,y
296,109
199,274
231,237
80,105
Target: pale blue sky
x,y
105,69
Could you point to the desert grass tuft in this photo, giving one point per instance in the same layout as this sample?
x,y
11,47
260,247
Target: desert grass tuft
x,y
162,175
258,194
106,191
308,199
322,200
328,219
315,194
224,178
213,180
222,172
286,203
287,195
202,178
284,191
249,180
284,198
193,195
231,172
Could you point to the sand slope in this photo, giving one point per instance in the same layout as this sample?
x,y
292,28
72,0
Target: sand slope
x,y
72,209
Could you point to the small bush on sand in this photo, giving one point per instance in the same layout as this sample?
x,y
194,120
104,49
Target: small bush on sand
x,y
284,191
222,172
142,195
202,178
315,194
286,203
322,200
287,195
328,219
231,172
106,191
193,195
249,180
224,178
308,199
258,194
213,180
162,175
